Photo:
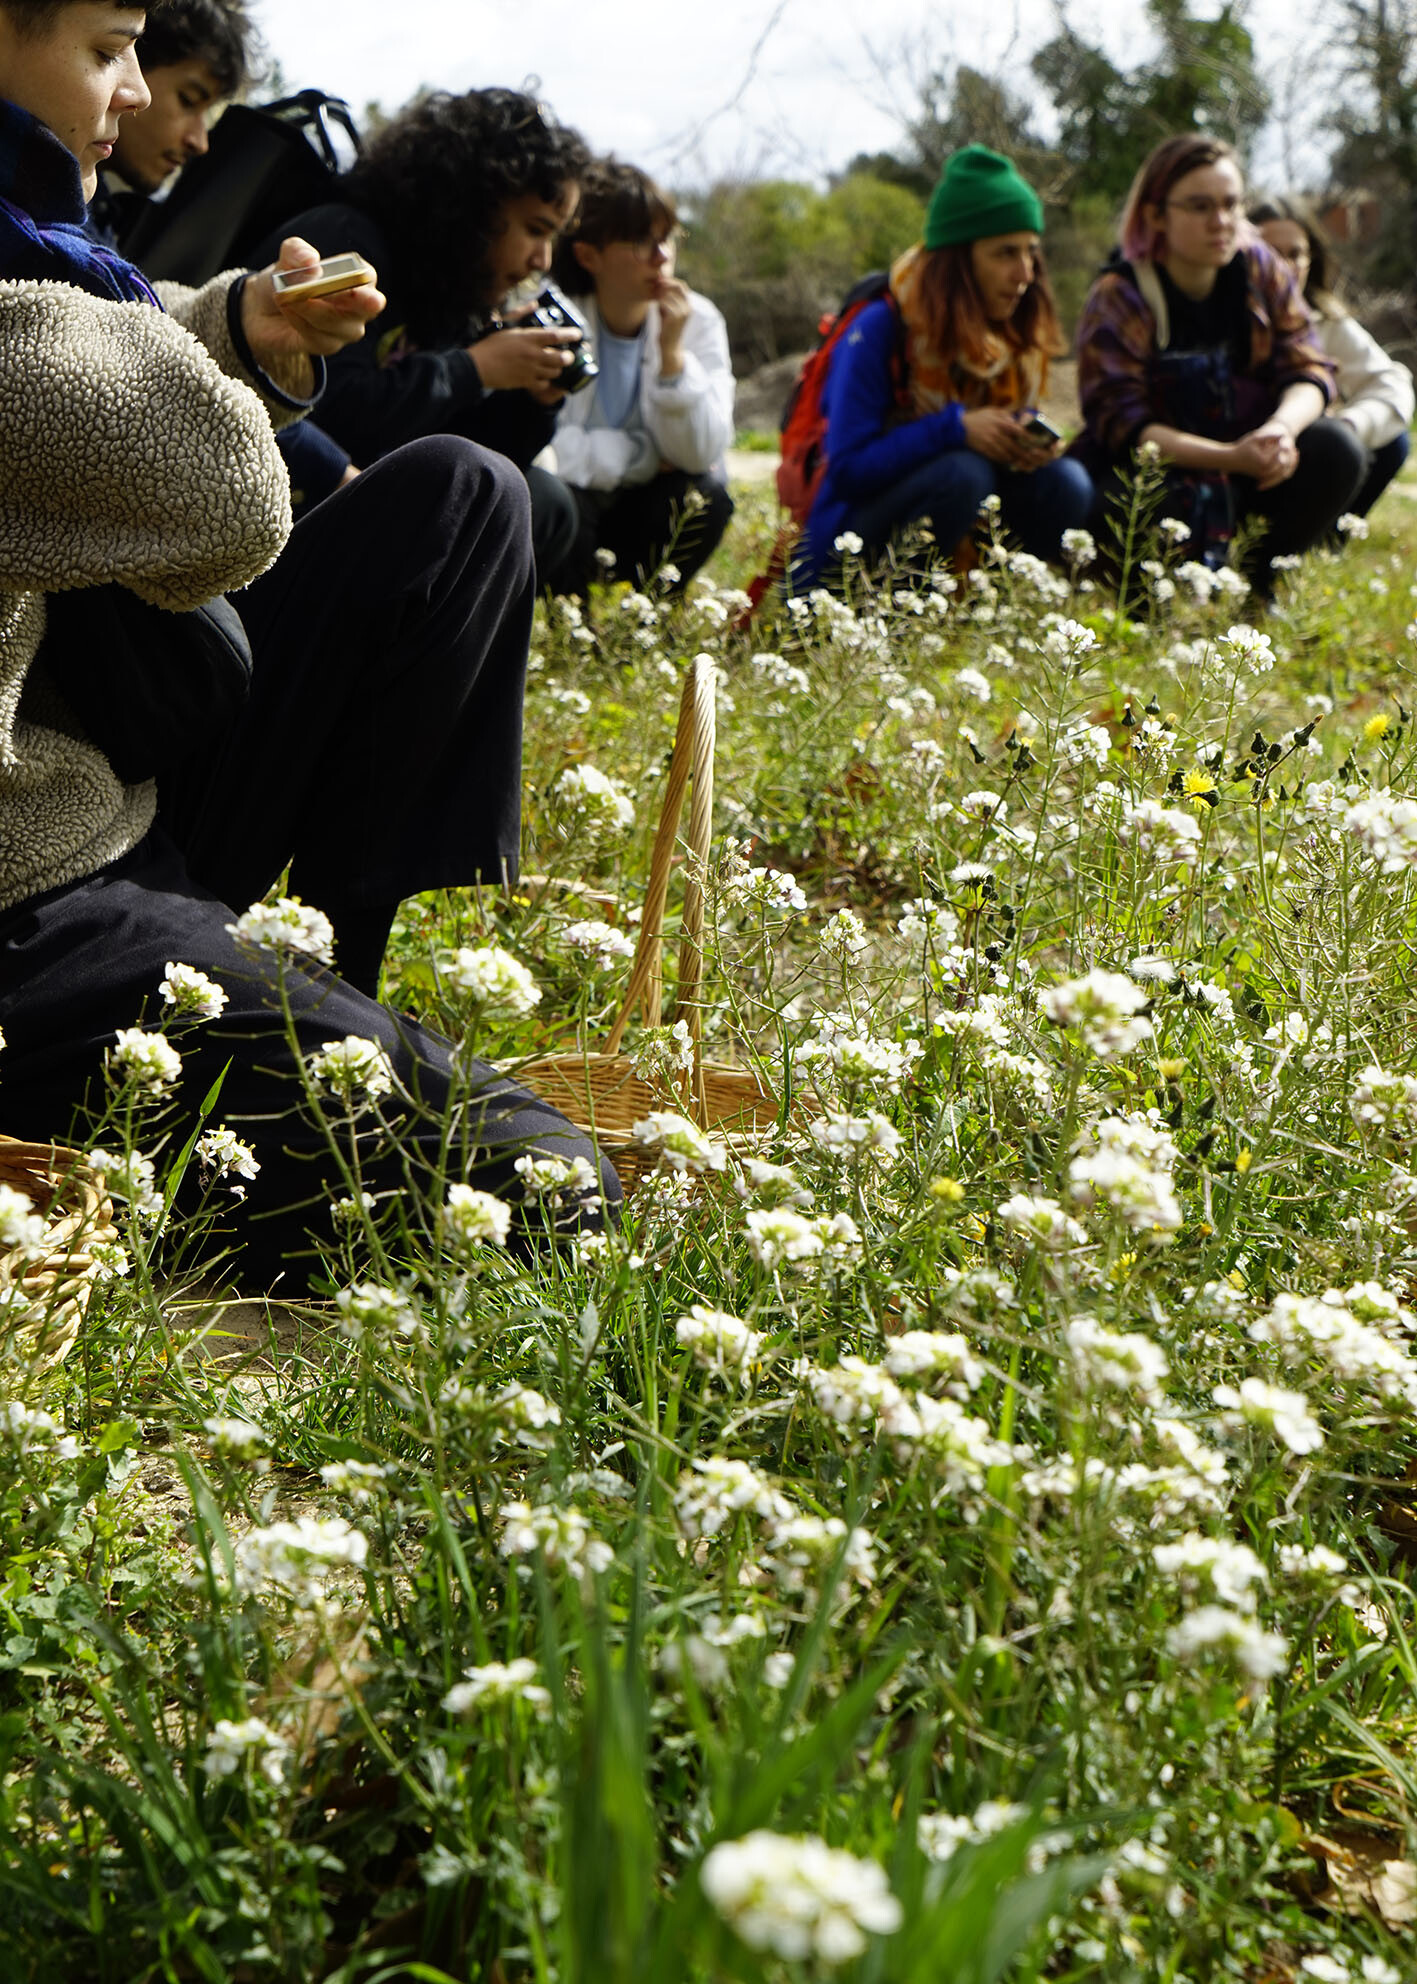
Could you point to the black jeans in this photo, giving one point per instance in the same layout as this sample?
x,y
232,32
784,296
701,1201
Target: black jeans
x,y
1300,513
1296,515
673,518
380,752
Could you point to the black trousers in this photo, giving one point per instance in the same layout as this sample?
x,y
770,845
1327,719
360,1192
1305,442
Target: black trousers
x,y
381,753
1300,513
380,749
1297,514
674,517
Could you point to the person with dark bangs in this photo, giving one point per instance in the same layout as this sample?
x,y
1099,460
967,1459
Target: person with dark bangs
x,y
643,450
930,395
458,203
1375,397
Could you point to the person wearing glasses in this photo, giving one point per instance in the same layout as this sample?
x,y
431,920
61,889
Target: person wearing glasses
x,y
1195,339
457,202
642,449
1375,395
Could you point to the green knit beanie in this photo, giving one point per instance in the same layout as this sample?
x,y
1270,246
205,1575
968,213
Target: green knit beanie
x,y
980,193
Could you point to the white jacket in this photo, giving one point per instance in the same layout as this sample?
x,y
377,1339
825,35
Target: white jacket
x,y
1374,391
688,421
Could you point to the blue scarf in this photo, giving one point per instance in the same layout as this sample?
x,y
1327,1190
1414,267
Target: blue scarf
x,y
43,236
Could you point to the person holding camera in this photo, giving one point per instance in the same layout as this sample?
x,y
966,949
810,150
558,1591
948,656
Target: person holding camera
x,y
458,203
1194,338
931,397
166,754
643,448
1375,396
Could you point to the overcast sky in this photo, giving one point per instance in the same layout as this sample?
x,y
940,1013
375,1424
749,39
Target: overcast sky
x,y
692,90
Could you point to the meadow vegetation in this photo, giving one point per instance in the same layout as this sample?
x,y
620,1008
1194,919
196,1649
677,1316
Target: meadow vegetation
x,y
964,1535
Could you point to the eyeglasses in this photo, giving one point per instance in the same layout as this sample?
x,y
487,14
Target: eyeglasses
x,y
1201,208
646,250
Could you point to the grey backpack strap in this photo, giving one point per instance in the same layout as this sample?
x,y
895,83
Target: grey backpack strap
x,y
1154,296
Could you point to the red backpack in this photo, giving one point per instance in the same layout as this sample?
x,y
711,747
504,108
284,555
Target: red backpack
x,y
804,427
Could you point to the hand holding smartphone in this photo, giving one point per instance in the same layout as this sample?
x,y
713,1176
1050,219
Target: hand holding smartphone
x,y
1037,429
338,272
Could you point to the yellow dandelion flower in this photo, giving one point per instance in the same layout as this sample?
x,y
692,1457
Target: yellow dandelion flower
x,y
1172,1070
949,1190
1376,727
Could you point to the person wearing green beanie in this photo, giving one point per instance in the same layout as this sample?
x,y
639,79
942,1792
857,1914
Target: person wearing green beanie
x,y
931,395
980,193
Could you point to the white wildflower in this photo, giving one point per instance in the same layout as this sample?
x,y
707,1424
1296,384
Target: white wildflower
x,y
1041,1220
144,1063
471,1217
561,1536
287,925
231,1744
777,1234
296,1560
222,1152
598,804
355,1069
493,980
1286,1414
22,1229
498,1684
1127,1361
1228,1570
1213,1628
719,1342
1104,1007
601,942
799,1898
680,1146
191,994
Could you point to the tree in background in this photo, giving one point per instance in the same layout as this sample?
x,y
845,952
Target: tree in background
x,y
1375,125
774,254
1202,79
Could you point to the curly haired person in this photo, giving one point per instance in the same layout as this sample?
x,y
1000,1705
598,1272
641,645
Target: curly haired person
x,y
457,202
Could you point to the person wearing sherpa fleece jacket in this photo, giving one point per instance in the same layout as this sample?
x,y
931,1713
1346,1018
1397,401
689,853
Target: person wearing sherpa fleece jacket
x,y
378,750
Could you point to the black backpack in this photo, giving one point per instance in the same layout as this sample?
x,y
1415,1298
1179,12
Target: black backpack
x,y
262,167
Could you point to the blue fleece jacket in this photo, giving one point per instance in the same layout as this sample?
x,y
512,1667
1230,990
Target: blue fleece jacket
x,y
868,444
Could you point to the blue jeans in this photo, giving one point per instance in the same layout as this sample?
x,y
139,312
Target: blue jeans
x,y
1038,505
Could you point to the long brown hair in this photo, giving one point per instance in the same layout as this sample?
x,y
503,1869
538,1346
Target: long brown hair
x,y
954,311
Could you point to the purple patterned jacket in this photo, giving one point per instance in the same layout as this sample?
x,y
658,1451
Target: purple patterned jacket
x,y
1117,340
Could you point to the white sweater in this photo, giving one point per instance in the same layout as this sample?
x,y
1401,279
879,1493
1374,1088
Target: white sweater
x,y
1374,391
686,421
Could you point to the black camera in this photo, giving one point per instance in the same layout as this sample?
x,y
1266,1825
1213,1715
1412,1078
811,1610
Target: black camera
x,y
551,312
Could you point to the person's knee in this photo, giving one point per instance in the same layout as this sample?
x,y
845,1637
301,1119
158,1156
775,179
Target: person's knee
x,y
1069,491
1331,457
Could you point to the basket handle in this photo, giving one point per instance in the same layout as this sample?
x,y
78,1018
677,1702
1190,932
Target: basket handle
x,y
693,749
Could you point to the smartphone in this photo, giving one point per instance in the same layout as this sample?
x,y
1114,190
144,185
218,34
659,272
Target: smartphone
x,y
1037,429
339,272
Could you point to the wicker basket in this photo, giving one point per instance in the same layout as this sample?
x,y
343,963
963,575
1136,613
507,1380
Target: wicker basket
x,y
602,1093
43,1301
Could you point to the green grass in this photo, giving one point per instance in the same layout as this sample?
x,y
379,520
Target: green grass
x,y
921,1615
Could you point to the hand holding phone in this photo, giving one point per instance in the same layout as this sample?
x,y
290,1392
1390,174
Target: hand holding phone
x,y
327,278
1038,430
